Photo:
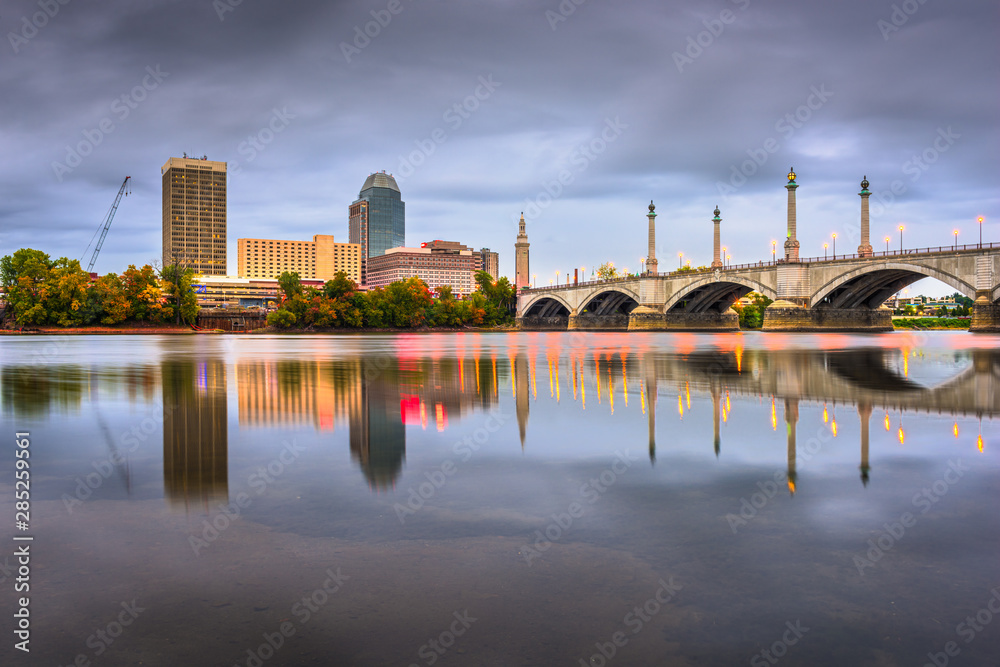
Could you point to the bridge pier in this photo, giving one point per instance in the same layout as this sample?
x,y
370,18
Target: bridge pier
x,y
985,314
539,323
588,322
650,319
786,316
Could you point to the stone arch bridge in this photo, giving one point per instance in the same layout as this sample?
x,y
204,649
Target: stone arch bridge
x,y
844,294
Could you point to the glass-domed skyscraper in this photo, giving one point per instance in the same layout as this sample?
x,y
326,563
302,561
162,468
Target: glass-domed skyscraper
x,y
377,218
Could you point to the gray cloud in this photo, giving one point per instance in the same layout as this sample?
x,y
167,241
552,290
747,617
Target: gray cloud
x,y
686,130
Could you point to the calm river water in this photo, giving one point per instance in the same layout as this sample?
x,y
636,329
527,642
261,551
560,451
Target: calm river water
x,y
506,499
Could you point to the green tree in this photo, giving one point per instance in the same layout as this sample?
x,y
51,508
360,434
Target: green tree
x,y
178,286
290,285
24,275
607,271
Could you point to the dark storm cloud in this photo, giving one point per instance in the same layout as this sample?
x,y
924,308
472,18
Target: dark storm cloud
x,y
695,89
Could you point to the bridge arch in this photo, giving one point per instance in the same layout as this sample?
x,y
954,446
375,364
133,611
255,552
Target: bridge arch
x,y
869,286
609,301
715,294
547,305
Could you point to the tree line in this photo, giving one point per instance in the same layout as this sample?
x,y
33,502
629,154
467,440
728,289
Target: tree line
x,y
44,291
401,305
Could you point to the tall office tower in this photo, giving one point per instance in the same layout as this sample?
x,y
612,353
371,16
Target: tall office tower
x,y
377,219
194,214
488,261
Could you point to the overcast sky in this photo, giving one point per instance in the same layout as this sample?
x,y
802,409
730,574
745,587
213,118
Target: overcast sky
x,y
627,102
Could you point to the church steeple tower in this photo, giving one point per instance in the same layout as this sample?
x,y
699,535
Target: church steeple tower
x,y
522,275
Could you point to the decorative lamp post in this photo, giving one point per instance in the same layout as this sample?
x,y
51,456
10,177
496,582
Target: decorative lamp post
x,y
534,280
774,245
825,246
642,265
835,245
680,260
729,260
886,245
980,231
956,239
901,239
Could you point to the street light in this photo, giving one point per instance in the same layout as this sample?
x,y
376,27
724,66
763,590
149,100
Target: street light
x,y
886,245
728,260
956,239
680,260
835,245
901,238
825,246
583,273
980,231
557,276
534,281
774,245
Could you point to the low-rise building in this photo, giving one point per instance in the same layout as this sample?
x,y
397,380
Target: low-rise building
x,y
437,263
319,259
233,292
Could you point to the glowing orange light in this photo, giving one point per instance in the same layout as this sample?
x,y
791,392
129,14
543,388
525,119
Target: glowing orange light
x,y
826,415
887,426
833,427
680,406
774,416
902,436
954,429
791,487
979,443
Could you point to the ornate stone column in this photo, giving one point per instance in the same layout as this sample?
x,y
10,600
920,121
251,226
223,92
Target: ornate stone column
x,y
716,253
865,249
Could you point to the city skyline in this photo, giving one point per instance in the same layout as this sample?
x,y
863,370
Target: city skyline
x,y
600,110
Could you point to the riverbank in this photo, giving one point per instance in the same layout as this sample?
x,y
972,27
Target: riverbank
x,y
162,329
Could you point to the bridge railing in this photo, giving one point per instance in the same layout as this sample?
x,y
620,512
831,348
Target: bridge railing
x,y
763,264
903,252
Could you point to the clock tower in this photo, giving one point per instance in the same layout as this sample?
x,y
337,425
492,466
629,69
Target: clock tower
x,y
522,277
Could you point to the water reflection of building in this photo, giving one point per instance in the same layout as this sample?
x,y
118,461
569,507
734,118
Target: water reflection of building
x,y
296,393
195,436
377,397
378,435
